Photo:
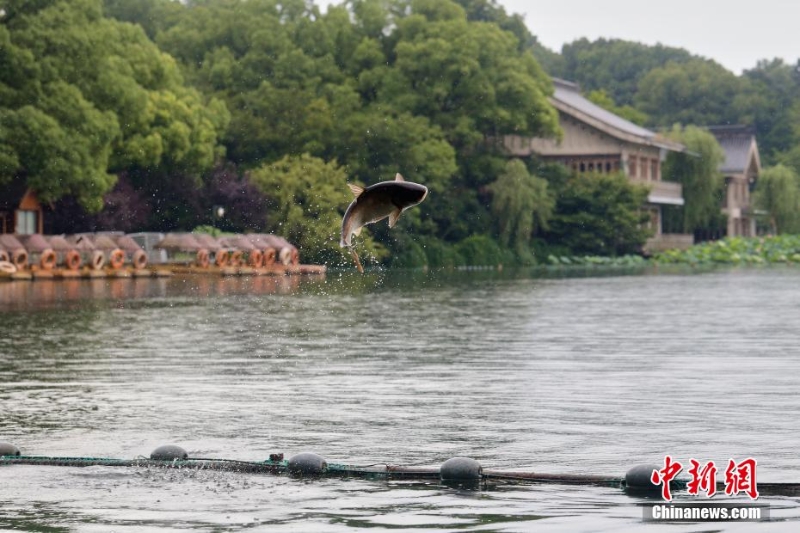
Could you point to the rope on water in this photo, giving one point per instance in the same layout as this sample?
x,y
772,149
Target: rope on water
x,y
230,465
459,470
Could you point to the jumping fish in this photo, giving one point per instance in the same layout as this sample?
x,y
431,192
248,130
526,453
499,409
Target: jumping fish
x,y
376,202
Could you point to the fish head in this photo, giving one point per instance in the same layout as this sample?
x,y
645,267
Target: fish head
x,y
407,194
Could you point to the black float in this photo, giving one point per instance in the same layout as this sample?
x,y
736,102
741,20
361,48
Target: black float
x,y
6,448
169,452
307,464
638,481
461,469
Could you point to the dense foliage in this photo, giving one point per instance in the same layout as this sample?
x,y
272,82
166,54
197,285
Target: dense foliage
x,y
696,170
778,195
83,97
304,196
147,114
612,65
599,214
369,88
521,205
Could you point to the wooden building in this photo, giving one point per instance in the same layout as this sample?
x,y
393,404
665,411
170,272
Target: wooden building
x,y
596,140
740,169
20,210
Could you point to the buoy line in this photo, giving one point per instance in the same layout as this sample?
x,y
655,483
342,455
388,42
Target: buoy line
x,y
461,471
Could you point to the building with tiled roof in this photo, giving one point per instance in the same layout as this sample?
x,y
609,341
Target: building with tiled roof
x,y
740,168
596,140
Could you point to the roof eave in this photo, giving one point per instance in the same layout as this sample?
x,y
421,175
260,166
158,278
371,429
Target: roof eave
x,y
614,131
664,200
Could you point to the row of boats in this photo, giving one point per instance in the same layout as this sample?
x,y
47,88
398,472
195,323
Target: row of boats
x,y
117,251
256,250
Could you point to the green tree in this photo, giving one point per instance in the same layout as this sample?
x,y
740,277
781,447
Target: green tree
x,y
276,66
778,193
51,135
521,205
306,199
416,86
467,77
791,155
153,16
599,214
615,66
380,87
601,98
375,144
95,97
697,170
768,90
694,92
491,11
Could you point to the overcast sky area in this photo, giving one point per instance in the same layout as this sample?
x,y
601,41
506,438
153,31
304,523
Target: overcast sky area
x,y
734,33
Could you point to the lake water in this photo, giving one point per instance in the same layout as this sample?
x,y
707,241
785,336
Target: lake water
x,y
585,375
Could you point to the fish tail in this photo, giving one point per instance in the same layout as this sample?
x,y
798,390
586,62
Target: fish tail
x,y
358,262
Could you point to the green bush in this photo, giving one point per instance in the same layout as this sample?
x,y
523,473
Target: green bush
x,y
522,257
410,255
599,214
440,254
480,250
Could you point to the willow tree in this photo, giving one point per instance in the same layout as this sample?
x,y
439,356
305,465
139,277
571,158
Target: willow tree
x,y
696,170
521,204
778,193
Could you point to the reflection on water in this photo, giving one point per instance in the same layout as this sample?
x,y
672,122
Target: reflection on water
x,y
586,375
43,294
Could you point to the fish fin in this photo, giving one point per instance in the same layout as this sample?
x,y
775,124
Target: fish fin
x,y
398,177
358,262
357,232
356,189
393,216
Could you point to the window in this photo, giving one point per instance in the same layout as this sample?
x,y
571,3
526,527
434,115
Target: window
x,y
26,222
654,174
632,167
